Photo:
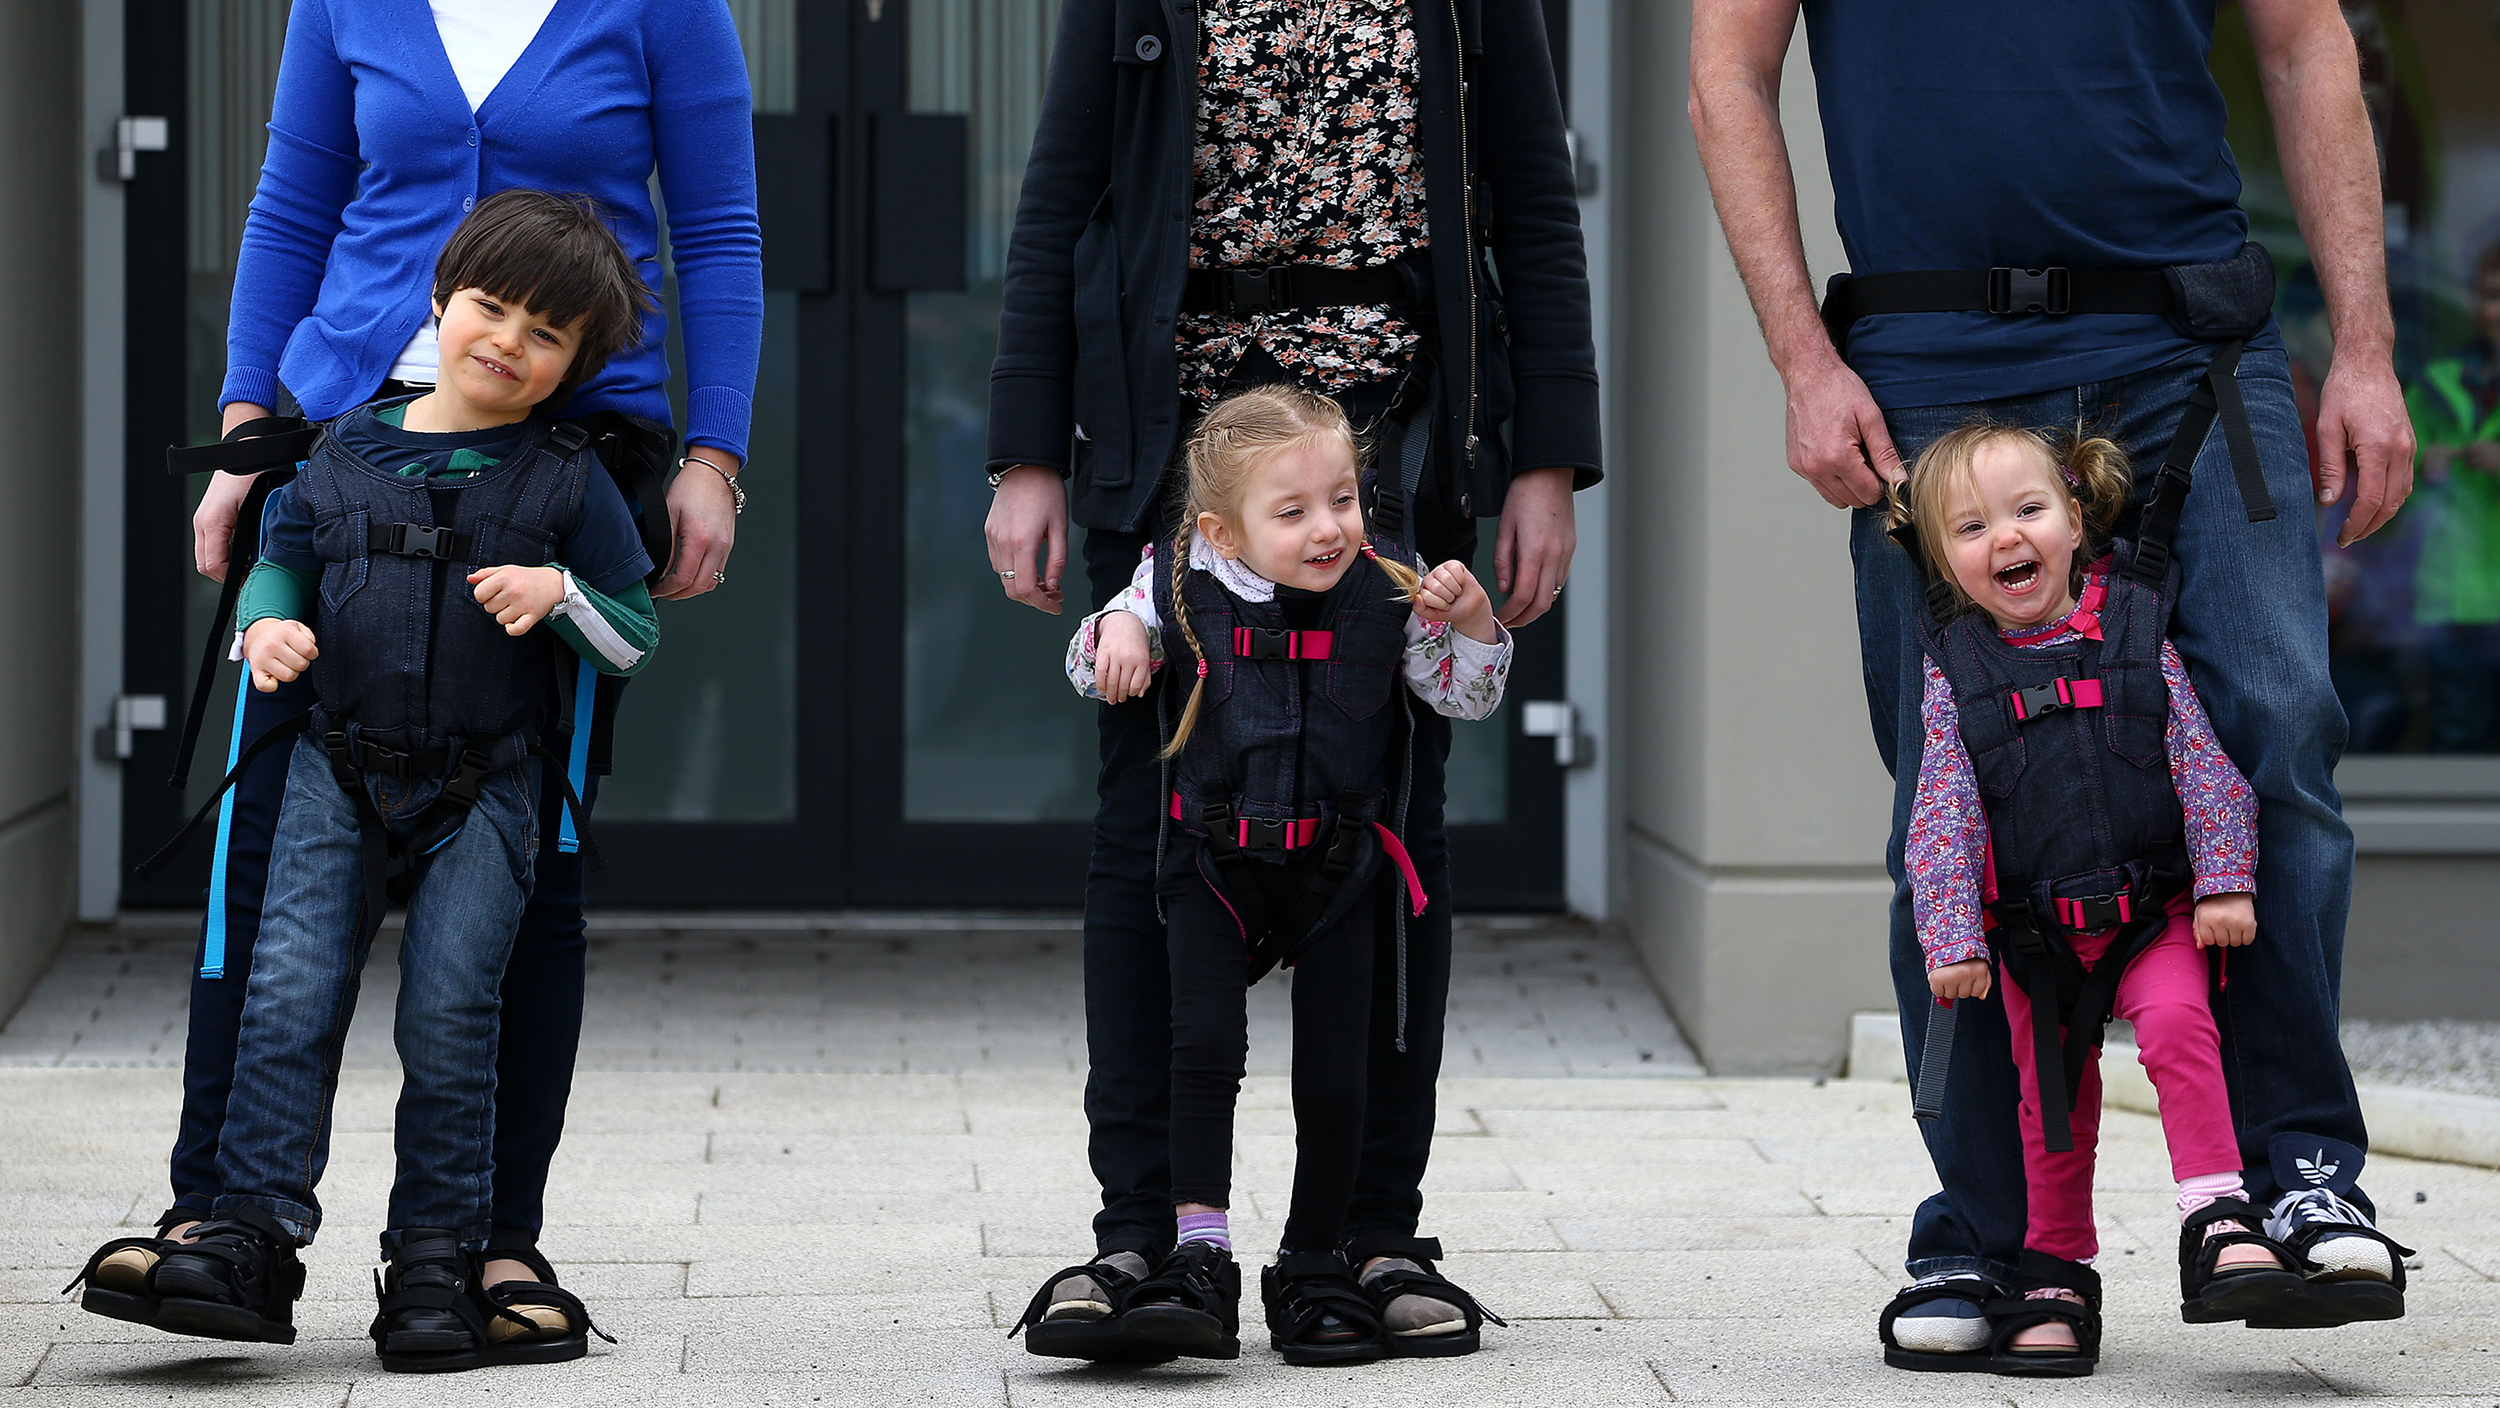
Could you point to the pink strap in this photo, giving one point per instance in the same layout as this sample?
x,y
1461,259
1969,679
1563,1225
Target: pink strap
x,y
2086,693
1406,865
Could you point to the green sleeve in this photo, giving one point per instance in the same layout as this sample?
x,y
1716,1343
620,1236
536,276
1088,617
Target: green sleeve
x,y
626,632
274,591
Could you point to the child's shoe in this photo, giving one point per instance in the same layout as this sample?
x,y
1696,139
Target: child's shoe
x,y
1938,1324
1191,1306
2211,1293
236,1279
116,1277
1317,1314
1078,1313
434,1317
2053,1291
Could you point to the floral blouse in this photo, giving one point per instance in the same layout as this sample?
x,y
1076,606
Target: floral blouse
x,y
1306,154
1448,669
1947,847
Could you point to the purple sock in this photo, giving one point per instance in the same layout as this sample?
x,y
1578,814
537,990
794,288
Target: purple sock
x,y
1206,1227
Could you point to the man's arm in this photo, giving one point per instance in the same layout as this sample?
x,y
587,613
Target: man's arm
x,y
2312,79
1836,435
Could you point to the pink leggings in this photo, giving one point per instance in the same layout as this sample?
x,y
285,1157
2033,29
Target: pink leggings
x,y
2163,993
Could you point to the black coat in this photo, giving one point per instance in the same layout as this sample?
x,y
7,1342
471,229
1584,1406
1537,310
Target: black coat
x,y
1087,377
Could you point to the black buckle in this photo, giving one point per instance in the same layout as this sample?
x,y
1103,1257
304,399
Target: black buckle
x,y
2091,913
1267,643
471,775
2039,701
1253,290
2012,290
382,758
417,540
1262,834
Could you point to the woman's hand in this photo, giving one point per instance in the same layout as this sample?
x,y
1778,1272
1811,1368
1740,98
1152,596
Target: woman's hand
x,y
702,522
2226,921
1532,551
518,597
1451,593
1968,978
212,523
277,650
1123,667
1028,536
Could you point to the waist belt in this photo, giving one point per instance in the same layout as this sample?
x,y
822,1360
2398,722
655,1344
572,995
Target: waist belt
x,y
1277,288
2003,290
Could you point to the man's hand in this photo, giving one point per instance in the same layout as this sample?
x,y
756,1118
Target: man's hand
x,y
1837,441
1123,665
1028,536
2226,921
1968,978
517,597
277,650
1451,593
212,523
1532,550
2365,442
702,522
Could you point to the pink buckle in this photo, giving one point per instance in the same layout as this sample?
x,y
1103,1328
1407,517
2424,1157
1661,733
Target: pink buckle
x,y
1254,643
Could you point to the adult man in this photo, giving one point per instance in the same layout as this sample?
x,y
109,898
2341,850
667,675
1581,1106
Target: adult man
x,y
2070,136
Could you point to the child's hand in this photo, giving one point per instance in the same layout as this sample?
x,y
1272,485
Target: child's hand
x,y
2226,920
277,650
1451,593
1968,978
1122,665
518,597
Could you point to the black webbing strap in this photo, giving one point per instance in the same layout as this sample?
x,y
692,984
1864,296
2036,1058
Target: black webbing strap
x,y
242,552
1940,600
2038,973
2216,397
1239,292
1935,1059
573,802
2004,290
278,732
1336,871
270,442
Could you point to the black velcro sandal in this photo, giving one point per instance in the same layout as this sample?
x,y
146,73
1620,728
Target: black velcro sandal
x,y
1191,1306
1100,1335
116,1277
536,1322
2337,1287
2210,1294
433,1317
236,1279
1384,1288
1316,1314
1971,1286
2039,1271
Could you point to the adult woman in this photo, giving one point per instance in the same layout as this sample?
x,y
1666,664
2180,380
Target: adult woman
x,y
1301,191
389,124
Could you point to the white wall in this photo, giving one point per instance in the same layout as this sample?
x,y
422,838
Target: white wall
x,y
39,480
1755,808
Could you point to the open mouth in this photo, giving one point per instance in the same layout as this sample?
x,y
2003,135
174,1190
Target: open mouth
x,y
1325,559
2019,578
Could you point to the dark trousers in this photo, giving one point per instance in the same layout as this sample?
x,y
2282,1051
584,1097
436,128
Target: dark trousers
x,y
1128,981
1332,1002
542,991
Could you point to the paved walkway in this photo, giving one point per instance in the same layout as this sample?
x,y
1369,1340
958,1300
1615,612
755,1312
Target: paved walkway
x,y
827,1166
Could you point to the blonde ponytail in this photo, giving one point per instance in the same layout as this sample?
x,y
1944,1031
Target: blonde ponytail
x,y
1180,618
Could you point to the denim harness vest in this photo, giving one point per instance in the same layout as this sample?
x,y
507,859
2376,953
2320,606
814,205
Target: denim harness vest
x,y
2068,744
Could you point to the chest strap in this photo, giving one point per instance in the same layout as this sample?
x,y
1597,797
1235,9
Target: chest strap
x,y
1241,291
1267,643
1260,834
418,540
2058,695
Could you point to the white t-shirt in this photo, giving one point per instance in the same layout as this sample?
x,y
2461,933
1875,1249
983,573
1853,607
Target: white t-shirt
x,y
484,39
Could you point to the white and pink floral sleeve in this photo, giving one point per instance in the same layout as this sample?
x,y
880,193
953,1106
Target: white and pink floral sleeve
x,y
1454,672
1138,600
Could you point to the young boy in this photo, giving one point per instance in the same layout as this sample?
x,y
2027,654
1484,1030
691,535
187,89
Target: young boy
x,y
407,569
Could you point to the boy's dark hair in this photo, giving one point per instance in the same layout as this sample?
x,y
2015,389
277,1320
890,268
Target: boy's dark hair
x,y
555,255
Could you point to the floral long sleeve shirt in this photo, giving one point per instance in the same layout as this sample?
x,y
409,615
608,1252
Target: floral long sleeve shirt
x,y
1448,669
1306,153
1947,848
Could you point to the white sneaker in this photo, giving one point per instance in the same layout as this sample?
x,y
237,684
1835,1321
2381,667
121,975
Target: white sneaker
x,y
1953,1325
2308,1222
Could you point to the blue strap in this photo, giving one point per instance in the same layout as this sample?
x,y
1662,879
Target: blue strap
x,y
213,937
577,770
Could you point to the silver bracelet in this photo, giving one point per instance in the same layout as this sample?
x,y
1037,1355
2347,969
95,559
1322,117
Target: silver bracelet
x,y
737,495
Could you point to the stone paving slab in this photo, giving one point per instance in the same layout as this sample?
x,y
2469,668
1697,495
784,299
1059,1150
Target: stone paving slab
x,y
775,1192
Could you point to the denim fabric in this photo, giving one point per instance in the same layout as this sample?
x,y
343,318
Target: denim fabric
x,y
2251,625
306,969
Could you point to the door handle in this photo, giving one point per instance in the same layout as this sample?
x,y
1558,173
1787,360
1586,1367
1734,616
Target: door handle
x,y
1558,720
131,136
794,157
916,194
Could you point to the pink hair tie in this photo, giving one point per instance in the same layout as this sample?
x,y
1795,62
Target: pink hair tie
x,y
1370,552
1202,669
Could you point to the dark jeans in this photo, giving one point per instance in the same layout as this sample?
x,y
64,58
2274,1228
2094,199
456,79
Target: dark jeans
x,y
306,970
2251,625
1332,1001
1128,991
542,990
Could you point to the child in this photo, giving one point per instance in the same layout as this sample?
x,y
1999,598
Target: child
x,y
406,569
2073,800
1285,770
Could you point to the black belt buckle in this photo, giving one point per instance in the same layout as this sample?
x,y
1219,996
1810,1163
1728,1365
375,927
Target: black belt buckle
x,y
1262,834
2039,701
2012,290
1267,643
418,540
382,758
1254,290
2092,913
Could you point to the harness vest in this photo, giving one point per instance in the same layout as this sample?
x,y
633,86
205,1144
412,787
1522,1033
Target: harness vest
x,y
2068,744
410,666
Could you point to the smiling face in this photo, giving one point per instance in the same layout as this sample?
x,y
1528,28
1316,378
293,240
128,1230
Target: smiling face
x,y
1299,518
2011,532
499,358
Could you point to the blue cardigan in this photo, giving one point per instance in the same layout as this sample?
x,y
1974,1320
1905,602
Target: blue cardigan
x,y
374,158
